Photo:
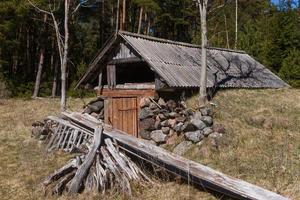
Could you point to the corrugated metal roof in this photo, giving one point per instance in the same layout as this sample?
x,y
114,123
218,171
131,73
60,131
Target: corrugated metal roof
x,y
179,64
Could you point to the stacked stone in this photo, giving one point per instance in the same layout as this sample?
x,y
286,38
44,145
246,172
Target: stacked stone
x,y
160,121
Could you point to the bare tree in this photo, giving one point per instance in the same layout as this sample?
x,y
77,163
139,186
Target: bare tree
x,y
203,76
236,24
62,43
41,64
140,19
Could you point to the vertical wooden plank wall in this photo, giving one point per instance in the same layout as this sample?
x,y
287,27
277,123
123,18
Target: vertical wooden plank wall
x,y
121,108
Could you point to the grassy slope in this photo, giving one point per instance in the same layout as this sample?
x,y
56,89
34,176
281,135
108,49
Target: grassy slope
x,y
264,153
23,163
269,157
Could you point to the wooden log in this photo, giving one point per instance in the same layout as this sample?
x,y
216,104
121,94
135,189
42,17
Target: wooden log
x,y
74,163
59,188
83,169
198,174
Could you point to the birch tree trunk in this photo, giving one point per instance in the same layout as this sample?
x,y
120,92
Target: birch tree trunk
x,y
140,20
203,75
40,65
226,31
63,102
124,15
54,85
118,17
236,23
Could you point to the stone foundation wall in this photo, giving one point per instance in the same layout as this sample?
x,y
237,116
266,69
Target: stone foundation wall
x,y
162,121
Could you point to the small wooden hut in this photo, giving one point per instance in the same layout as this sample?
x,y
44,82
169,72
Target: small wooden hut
x,y
132,66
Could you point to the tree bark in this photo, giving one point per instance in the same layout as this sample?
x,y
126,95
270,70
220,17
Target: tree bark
x,y
203,75
236,24
63,102
140,20
226,31
118,17
54,85
124,15
41,64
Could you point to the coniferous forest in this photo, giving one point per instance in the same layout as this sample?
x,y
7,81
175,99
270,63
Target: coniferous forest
x,y
266,30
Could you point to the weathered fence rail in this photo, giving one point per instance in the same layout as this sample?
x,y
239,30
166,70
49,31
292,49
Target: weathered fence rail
x,y
194,172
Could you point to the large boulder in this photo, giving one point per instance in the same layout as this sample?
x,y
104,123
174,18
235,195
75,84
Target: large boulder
x,y
165,130
152,106
145,102
158,136
165,123
172,122
199,124
207,131
178,127
145,134
195,136
197,115
95,106
162,117
147,124
182,148
145,113
180,119
188,126
208,120
172,138
173,115
206,111
157,124
171,104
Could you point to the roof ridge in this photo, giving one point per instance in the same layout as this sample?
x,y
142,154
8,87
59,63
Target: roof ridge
x,y
176,42
158,39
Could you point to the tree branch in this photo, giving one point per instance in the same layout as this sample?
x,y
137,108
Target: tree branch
x,y
39,9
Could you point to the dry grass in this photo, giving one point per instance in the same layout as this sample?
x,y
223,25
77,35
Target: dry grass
x,y
262,143
23,163
266,154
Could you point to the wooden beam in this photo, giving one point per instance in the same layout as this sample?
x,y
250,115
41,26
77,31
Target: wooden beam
x,y
125,60
126,93
194,172
83,169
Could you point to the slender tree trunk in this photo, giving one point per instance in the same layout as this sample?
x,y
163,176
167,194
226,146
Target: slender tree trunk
x,y
140,20
226,31
124,15
39,73
41,64
63,102
54,85
102,24
203,75
236,24
148,26
118,17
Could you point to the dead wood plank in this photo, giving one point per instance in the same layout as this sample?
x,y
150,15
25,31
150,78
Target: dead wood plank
x,y
83,169
53,137
62,171
195,172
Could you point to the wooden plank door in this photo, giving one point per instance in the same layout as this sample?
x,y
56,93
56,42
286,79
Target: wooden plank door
x,y
123,114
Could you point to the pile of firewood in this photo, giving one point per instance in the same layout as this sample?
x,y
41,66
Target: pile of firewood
x,y
100,166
